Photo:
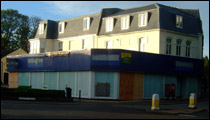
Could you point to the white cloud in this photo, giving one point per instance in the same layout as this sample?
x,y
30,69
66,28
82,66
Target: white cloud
x,y
80,8
72,8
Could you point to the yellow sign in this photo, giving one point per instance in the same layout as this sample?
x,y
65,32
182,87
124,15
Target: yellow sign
x,y
126,58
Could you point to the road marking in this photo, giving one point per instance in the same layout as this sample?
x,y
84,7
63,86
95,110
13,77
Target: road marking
x,y
187,115
26,98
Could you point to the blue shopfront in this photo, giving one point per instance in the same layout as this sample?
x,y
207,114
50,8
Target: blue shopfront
x,y
108,74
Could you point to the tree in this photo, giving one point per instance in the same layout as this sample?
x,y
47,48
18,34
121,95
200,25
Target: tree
x,y
34,22
206,69
16,29
22,33
9,23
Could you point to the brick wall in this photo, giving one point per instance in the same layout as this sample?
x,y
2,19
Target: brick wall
x,y
13,79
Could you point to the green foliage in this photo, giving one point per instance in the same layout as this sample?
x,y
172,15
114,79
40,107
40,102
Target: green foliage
x,y
206,68
16,29
27,91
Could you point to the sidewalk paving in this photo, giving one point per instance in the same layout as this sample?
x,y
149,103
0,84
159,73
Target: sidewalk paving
x,y
166,106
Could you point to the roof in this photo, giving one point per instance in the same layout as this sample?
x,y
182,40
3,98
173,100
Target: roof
x,y
136,9
159,17
6,52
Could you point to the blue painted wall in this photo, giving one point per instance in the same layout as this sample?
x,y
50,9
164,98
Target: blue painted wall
x,y
151,63
140,62
73,61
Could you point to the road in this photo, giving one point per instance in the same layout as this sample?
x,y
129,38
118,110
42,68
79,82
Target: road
x,y
37,110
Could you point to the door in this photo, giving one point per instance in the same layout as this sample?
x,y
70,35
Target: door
x,y
6,78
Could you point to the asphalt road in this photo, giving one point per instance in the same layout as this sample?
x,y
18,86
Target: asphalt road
x,y
36,110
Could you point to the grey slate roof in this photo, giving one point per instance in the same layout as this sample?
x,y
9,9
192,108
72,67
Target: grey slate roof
x,y
160,17
191,20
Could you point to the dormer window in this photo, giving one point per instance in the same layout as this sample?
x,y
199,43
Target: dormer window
x,y
109,24
125,22
41,28
142,19
61,27
179,21
86,23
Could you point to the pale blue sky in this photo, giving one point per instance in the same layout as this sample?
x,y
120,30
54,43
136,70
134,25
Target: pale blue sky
x,y
58,10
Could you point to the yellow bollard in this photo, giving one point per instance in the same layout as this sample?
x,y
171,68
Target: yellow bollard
x,y
192,100
155,102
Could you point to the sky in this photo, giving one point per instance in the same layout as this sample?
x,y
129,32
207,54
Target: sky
x,y
59,10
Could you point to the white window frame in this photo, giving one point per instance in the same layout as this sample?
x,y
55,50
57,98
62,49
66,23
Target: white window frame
x,y
60,46
179,21
34,47
125,20
109,24
84,43
142,19
188,43
178,47
41,28
69,45
62,25
142,44
109,44
42,46
168,46
86,23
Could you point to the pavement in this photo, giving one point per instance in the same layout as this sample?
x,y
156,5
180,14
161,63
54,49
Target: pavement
x,y
171,107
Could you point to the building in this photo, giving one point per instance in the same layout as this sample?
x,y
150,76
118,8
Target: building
x,y
108,73
4,73
153,28
123,54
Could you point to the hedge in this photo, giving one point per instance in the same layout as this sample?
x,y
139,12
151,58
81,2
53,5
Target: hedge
x,y
27,91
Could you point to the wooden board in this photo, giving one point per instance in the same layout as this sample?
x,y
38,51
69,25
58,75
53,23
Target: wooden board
x,y
126,86
13,79
138,86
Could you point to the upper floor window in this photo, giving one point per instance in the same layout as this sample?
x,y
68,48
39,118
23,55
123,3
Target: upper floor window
x,y
168,46
41,28
109,24
179,21
142,21
42,46
142,44
86,23
61,27
108,44
60,46
69,45
84,44
178,47
34,47
188,49
125,22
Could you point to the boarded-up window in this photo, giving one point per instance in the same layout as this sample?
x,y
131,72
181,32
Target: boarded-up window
x,y
102,89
